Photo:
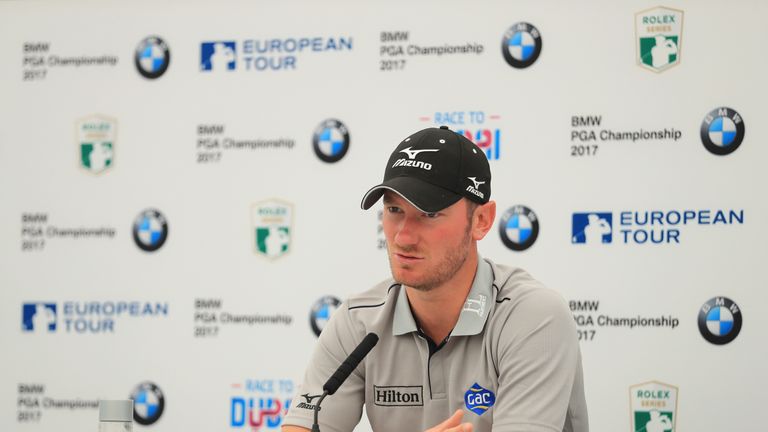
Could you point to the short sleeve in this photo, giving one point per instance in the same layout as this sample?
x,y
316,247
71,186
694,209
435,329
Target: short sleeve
x,y
539,362
341,411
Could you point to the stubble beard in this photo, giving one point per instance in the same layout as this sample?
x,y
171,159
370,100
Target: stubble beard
x,y
445,270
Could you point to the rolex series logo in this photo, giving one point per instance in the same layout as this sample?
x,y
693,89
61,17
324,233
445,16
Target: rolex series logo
x,y
659,34
272,221
654,407
96,142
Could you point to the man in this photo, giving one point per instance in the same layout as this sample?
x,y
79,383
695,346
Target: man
x,y
465,344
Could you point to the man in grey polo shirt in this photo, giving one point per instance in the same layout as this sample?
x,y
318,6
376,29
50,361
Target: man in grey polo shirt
x,y
465,344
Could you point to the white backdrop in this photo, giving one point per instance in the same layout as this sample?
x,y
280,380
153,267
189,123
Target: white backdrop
x,y
587,66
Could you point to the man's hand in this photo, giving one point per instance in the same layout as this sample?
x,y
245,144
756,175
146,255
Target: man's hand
x,y
453,424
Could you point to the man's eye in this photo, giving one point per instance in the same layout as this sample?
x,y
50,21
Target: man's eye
x,y
430,215
393,209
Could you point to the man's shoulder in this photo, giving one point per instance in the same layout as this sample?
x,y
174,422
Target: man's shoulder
x,y
371,310
374,297
514,287
524,306
510,281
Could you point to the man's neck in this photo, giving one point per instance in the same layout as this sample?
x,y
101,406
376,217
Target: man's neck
x,y
437,310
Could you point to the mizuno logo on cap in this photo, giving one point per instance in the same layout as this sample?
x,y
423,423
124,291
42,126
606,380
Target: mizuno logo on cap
x,y
476,182
402,162
413,153
473,190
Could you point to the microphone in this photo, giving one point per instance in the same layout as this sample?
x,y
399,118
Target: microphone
x,y
334,382
342,373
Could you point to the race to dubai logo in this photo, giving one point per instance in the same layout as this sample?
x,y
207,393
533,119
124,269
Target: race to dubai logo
x,y
260,404
96,136
272,222
653,407
659,36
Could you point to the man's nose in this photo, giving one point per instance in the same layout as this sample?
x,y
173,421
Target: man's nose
x,y
406,234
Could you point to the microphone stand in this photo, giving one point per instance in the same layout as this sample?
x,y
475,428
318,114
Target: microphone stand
x,y
315,425
346,368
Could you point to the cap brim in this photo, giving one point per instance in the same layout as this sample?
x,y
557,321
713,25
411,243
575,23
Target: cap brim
x,y
426,197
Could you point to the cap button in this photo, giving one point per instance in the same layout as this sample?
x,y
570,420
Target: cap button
x,y
444,127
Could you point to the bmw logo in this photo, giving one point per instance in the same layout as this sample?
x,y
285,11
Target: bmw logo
x,y
331,141
150,229
722,131
521,45
152,57
519,228
321,312
719,320
148,403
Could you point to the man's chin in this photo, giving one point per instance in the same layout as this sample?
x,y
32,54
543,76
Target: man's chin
x,y
403,275
406,273
408,278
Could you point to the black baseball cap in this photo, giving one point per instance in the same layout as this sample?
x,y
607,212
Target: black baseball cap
x,y
433,169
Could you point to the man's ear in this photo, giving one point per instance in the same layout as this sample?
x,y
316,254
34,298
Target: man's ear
x,y
482,219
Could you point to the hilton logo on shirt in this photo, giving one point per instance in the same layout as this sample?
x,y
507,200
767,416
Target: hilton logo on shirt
x,y
398,395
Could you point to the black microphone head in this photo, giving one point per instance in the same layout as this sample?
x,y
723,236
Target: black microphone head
x,y
363,348
370,339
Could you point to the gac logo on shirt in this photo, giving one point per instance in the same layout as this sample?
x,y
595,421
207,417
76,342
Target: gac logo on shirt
x,y
478,399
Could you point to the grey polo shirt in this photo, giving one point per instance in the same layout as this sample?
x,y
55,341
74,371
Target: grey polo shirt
x,y
512,362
